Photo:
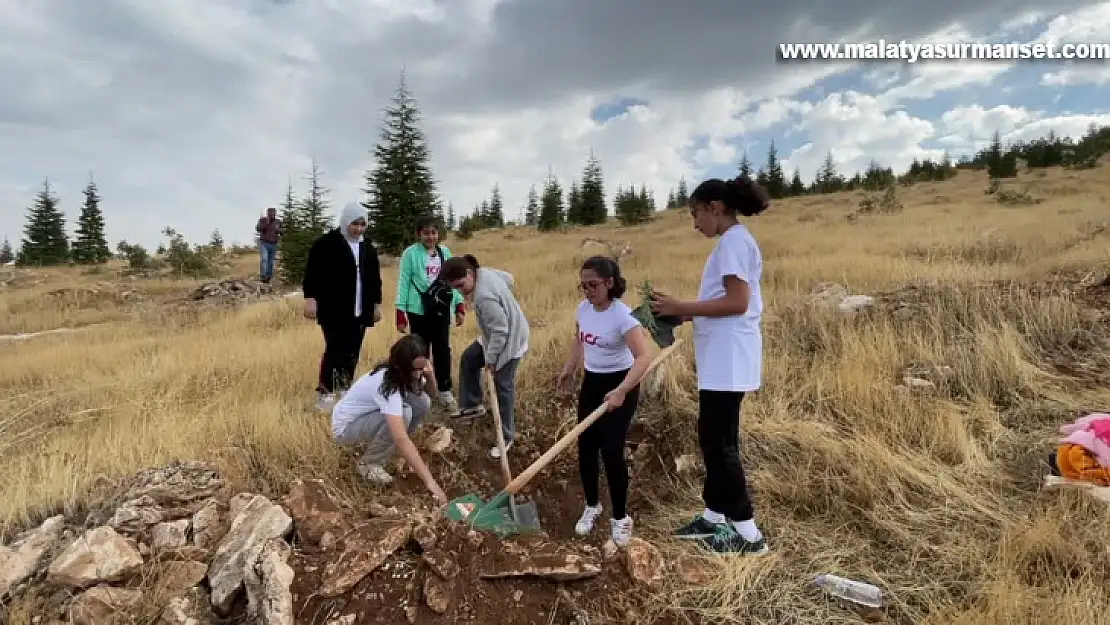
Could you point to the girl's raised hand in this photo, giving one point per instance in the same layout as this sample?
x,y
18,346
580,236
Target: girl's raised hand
x,y
664,305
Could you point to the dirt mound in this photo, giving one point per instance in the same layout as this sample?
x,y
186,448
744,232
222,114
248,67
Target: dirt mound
x,y
232,291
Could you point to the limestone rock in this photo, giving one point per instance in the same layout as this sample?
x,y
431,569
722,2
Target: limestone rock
x,y
539,558
644,563
437,594
268,582
170,535
208,525
259,521
104,605
364,549
315,514
24,556
100,555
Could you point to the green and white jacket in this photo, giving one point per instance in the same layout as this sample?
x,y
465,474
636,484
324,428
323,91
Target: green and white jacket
x,y
412,273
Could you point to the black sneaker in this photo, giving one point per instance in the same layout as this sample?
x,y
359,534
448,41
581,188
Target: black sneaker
x,y
699,529
728,540
466,414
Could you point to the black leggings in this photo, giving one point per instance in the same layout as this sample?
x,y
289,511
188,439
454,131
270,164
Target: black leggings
x,y
342,344
726,488
606,438
436,332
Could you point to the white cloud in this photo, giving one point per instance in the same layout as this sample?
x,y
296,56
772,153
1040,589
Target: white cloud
x,y
1087,25
195,116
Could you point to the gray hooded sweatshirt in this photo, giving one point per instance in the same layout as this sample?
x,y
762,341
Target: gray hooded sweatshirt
x,y
502,325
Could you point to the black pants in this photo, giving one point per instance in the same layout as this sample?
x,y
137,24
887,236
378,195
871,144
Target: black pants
x,y
342,343
606,437
436,332
726,488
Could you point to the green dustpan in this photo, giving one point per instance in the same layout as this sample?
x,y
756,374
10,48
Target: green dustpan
x,y
494,516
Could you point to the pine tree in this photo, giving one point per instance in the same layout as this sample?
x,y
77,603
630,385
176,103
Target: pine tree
x,y
591,194
482,215
551,205
745,167
671,202
400,187
574,204
681,198
45,241
307,220
91,247
496,216
532,208
776,180
6,254
1000,163
216,243
828,180
450,224
797,187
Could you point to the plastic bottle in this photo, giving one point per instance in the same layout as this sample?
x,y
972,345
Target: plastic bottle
x,y
851,590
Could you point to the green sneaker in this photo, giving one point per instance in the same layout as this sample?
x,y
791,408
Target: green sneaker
x,y
728,540
700,529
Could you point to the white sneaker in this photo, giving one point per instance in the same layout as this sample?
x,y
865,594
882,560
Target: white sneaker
x,y
448,401
495,453
586,522
621,530
374,473
325,402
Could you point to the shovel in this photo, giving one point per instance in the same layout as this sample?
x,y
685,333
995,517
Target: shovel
x,y
524,514
491,516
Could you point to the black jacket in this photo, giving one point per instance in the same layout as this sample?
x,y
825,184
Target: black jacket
x,y
330,279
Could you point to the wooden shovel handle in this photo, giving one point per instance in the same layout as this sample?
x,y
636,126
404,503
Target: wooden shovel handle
x,y
496,409
526,476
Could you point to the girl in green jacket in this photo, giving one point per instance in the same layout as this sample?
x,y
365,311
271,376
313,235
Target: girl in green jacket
x,y
420,266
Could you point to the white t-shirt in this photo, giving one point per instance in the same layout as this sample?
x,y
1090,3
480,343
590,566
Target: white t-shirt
x,y
432,266
601,334
364,397
358,279
728,351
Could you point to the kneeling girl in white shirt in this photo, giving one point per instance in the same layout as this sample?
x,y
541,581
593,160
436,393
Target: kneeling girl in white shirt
x,y
613,349
384,407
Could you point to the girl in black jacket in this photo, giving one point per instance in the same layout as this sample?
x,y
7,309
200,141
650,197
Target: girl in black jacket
x,y
343,293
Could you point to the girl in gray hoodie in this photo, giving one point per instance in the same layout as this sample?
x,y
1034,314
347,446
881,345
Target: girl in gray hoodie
x,y
502,340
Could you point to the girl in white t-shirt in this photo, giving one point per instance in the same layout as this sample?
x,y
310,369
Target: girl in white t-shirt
x,y
384,407
728,350
613,348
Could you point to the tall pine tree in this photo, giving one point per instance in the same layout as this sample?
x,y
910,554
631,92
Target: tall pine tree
x,y
591,194
776,180
551,205
745,167
574,204
305,221
6,253
681,197
495,215
400,186
91,247
449,225
45,241
532,208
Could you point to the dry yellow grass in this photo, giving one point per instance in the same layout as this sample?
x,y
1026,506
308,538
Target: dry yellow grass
x,y
933,496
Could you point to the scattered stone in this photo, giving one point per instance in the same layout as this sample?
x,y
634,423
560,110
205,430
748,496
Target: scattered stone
x,y
258,522
100,555
26,553
685,462
609,550
268,582
365,548
104,604
170,535
644,563
137,515
192,608
439,441
856,304
232,290
175,578
539,558
208,525
318,518
442,564
913,383
378,510
437,594
693,570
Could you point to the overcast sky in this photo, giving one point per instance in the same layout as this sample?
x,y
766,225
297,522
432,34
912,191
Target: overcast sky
x,y
195,114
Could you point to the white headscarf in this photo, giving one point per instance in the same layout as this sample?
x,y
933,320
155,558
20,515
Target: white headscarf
x,y
351,212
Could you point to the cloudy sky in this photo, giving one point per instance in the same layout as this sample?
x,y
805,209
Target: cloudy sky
x,y
195,114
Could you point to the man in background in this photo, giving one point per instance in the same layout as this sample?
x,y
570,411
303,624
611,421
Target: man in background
x,y
269,230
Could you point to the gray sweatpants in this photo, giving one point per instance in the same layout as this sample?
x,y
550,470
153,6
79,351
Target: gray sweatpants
x,y
372,429
504,381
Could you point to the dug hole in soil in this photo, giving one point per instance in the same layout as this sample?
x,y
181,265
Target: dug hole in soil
x,y
404,587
